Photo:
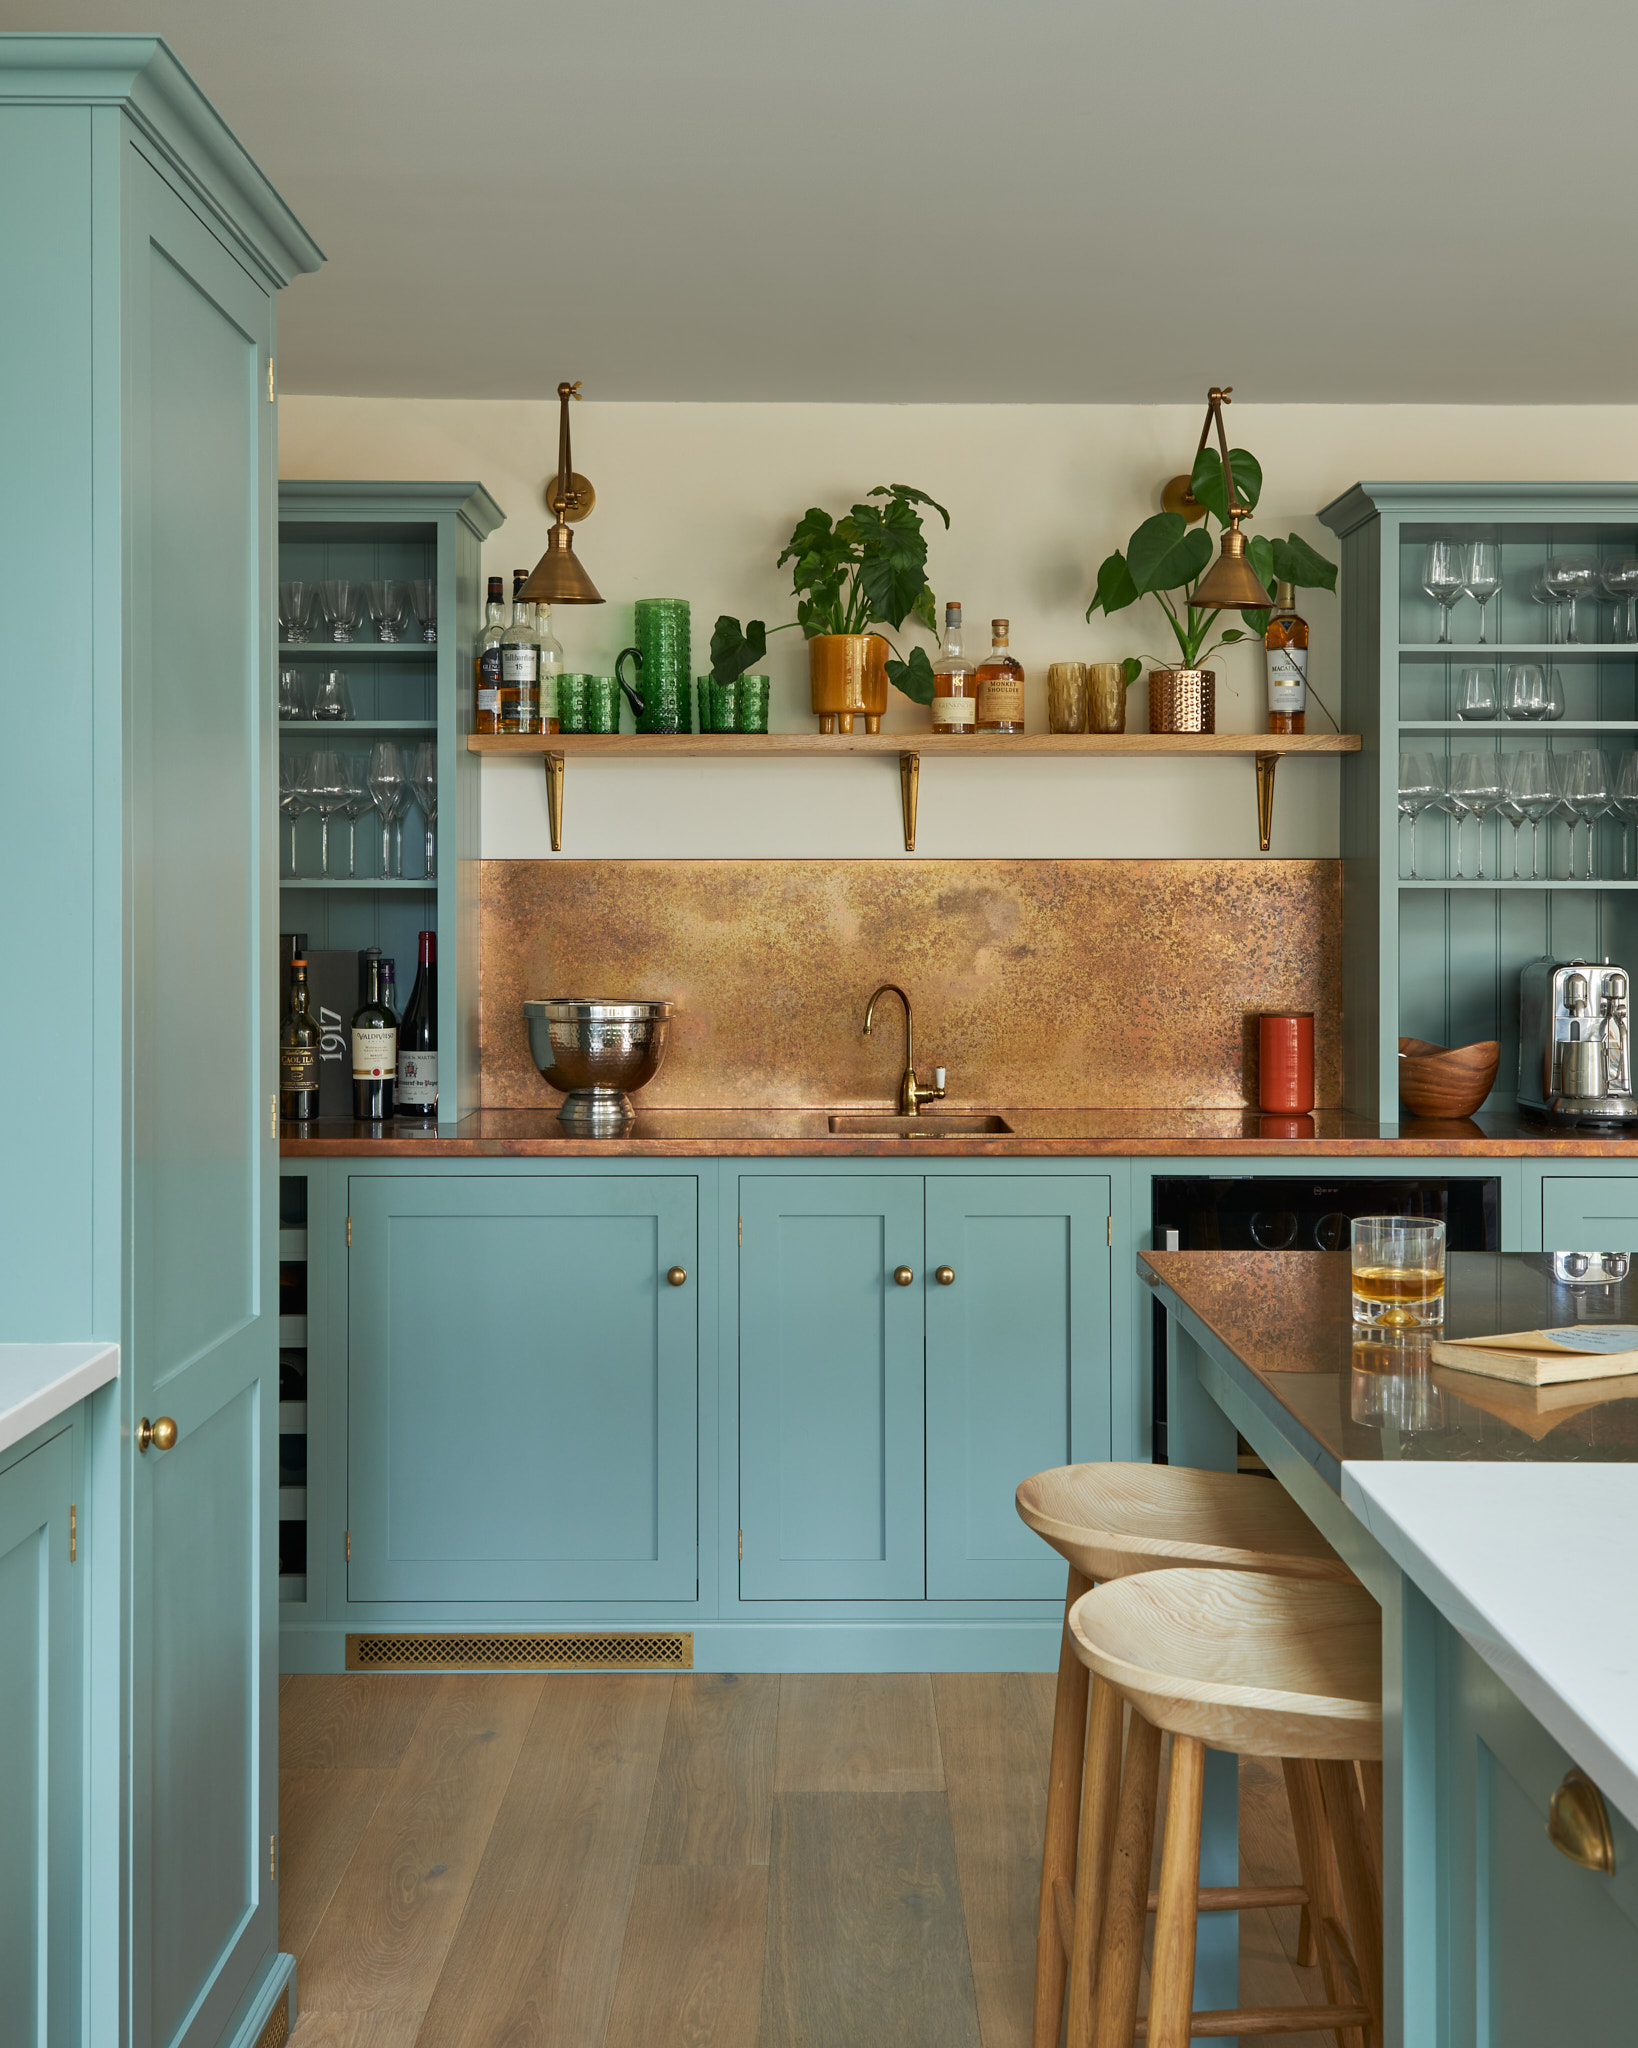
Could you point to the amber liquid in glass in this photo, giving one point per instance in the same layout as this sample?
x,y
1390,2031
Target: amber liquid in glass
x,y
1000,685
1398,1286
1286,650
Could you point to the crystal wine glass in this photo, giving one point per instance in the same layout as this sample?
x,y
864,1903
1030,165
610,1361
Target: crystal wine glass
x,y
388,603
424,604
293,795
1540,594
1584,791
1483,576
1620,585
296,600
326,790
1475,791
1421,786
1571,577
1530,785
1476,694
1626,801
389,787
1555,696
1444,578
341,603
359,800
424,781
333,698
1525,695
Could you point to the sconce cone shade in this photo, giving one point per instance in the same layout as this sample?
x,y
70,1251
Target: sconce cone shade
x,y
1230,584
558,577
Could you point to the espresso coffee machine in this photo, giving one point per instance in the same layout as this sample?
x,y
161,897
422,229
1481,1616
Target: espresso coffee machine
x,y
1575,1042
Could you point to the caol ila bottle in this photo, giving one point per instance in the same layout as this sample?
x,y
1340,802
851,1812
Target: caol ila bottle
x,y
417,1090
298,1051
375,1043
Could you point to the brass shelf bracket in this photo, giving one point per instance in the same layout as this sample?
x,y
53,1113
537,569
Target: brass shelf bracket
x,y
1265,765
909,791
554,797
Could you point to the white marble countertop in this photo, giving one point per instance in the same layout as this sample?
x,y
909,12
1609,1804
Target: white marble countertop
x,y
38,1381
1534,1565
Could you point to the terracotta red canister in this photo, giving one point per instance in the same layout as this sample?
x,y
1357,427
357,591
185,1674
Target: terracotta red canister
x,y
1285,1063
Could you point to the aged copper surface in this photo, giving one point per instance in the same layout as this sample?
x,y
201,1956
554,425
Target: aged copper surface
x,y
1047,983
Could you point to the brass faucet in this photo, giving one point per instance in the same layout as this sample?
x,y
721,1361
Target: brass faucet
x,y
911,1095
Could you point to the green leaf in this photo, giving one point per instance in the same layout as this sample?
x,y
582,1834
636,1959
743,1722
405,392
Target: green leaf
x,y
734,648
925,608
1207,484
907,496
1131,668
1257,622
914,677
815,536
1260,554
1296,562
1116,590
1236,633
1164,554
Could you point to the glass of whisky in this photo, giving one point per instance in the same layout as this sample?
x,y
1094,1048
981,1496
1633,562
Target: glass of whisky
x,y
1399,1271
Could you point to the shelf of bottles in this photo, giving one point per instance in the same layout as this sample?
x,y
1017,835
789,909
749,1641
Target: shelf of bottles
x,y
292,1389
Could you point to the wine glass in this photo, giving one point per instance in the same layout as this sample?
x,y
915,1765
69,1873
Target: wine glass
x,y
1571,577
1483,576
1626,800
1476,694
424,605
1540,594
1475,791
424,781
1421,787
340,600
326,790
1444,578
1527,777
296,600
389,788
359,800
1555,696
1584,791
333,697
1525,695
293,794
388,602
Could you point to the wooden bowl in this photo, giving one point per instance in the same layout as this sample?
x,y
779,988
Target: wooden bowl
x,y
1435,1082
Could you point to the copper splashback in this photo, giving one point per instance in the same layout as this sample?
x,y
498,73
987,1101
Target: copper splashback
x,y
1102,983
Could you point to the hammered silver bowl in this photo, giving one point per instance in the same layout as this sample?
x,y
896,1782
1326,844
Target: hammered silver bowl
x,y
598,1052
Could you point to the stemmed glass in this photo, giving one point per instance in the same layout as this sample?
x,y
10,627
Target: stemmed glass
x,y
1421,787
1513,811
1540,594
1475,791
1483,576
293,794
296,610
1444,578
388,603
1626,801
359,800
389,791
1476,696
424,604
326,790
341,608
1620,584
1570,577
1584,791
1528,776
424,781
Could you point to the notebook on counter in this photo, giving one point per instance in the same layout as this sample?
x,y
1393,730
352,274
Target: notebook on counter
x,y
1546,1358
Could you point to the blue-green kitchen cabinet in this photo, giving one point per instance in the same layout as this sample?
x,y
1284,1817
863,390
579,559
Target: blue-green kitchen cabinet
x,y
41,1675
522,1388
137,546
1589,1213
886,1411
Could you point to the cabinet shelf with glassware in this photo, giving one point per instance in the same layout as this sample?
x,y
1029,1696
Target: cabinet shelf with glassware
x,y
1521,750
394,567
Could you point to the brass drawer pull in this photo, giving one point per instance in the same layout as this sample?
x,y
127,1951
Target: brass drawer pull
x,y
1578,1823
161,1434
903,1275
945,1276
677,1275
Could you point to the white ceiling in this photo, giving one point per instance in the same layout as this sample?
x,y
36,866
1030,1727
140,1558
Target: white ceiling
x,y
900,200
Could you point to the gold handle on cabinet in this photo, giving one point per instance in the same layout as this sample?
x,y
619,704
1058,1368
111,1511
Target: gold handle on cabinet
x,y
677,1275
903,1275
161,1434
945,1276
1578,1823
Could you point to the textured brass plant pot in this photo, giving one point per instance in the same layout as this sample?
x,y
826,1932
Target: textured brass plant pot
x,y
848,676
1182,700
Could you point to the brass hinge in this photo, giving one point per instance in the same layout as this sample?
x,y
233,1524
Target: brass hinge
x,y
349,1546
1109,1230
73,1532
270,384
742,1230
273,1116
742,1546
272,1858
349,1233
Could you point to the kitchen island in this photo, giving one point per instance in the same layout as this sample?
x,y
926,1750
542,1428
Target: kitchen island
x,y
1491,1522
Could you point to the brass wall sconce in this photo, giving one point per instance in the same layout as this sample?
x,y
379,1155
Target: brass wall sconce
x,y
1230,584
558,577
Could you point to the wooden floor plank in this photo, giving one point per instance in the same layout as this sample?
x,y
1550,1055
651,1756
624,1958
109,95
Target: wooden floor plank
x,y
691,1971
713,1794
866,1941
397,1906
322,1814
995,1735
865,1731
354,1721
535,1958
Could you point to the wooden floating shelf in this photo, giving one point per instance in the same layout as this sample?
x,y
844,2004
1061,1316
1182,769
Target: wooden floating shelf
x,y
556,749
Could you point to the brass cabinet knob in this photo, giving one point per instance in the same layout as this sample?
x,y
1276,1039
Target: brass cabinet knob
x,y
945,1276
161,1434
903,1275
677,1275
1578,1823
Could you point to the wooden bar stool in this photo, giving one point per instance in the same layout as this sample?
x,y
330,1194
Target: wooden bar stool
x,y
1263,1666
1109,1521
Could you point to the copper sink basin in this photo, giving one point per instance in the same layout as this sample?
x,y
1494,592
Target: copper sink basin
x,y
925,1126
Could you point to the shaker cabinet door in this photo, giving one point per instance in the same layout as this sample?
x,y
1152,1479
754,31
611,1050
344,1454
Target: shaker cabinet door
x,y
1587,1213
522,1389
831,1389
1017,1368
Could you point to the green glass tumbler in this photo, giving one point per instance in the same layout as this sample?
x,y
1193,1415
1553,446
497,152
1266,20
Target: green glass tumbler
x,y
571,703
753,704
602,704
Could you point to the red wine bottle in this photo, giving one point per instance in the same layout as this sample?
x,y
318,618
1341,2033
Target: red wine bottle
x,y
417,1093
375,1043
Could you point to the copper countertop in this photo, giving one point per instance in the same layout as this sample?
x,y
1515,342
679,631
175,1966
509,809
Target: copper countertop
x,y
1036,1134
1350,1394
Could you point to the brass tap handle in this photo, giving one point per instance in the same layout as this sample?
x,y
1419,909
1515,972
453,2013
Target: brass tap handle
x,y
677,1275
161,1434
945,1276
903,1275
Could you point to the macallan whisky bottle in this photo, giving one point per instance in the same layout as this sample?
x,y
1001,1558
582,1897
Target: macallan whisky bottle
x,y
955,688
1286,643
488,660
1000,683
520,664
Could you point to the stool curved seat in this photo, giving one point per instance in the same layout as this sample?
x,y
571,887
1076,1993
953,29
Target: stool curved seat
x,y
1109,1520
1259,1663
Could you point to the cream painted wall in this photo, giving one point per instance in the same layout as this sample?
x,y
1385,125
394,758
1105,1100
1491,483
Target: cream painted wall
x,y
696,500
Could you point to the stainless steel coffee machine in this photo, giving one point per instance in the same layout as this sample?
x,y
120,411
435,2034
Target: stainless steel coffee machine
x,y
1575,1042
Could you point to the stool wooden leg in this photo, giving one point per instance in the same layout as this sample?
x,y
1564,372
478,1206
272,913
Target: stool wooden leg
x,y
1319,1876
1100,1790
1126,1905
1171,1979
1361,1891
1370,1785
1062,1820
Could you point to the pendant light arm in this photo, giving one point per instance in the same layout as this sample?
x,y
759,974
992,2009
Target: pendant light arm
x,y
1215,401
569,497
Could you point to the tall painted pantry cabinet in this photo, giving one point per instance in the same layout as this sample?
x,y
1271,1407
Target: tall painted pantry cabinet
x,y
140,255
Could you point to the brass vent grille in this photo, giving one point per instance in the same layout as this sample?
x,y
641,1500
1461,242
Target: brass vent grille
x,y
672,1650
277,2030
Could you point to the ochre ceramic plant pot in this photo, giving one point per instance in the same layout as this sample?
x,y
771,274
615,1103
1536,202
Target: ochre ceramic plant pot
x,y
1182,700
1440,1083
848,676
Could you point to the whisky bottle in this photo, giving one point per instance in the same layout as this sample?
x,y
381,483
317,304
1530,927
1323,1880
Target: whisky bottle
x,y
551,667
520,665
1000,686
1286,645
955,698
488,660
298,1051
